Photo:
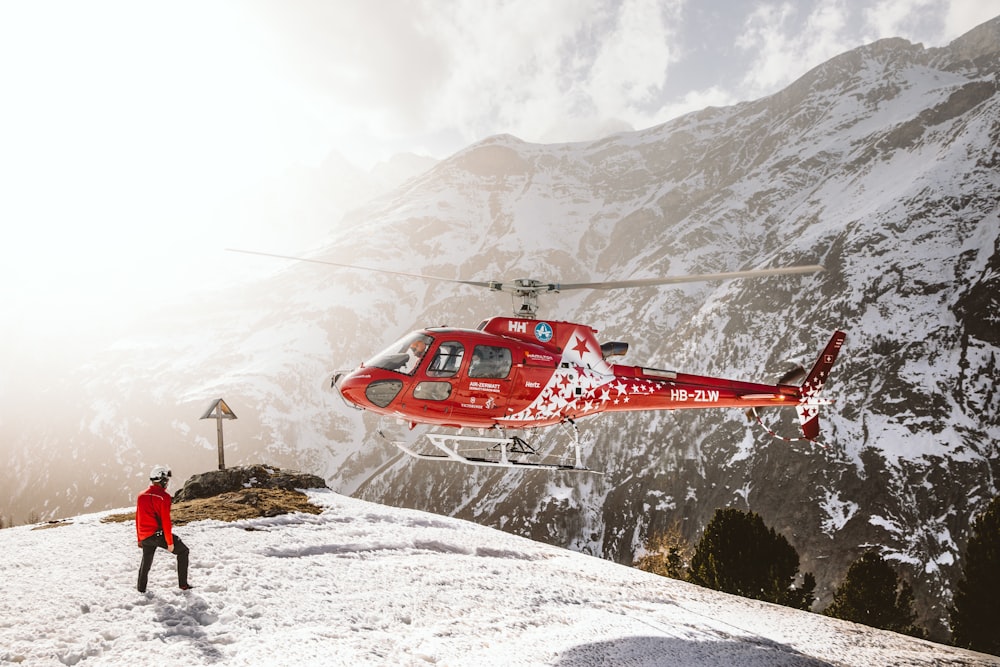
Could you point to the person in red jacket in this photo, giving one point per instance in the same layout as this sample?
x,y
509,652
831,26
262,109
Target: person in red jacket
x,y
154,530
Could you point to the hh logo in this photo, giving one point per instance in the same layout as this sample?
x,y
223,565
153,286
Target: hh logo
x,y
517,327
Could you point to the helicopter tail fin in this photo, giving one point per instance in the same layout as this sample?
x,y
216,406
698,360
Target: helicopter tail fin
x,y
808,408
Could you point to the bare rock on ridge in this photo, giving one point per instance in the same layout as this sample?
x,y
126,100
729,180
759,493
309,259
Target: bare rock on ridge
x,y
217,482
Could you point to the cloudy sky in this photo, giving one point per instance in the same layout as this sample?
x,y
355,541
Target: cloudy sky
x,y
123,123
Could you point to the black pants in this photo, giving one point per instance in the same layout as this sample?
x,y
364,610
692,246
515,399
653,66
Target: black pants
x,y
149,547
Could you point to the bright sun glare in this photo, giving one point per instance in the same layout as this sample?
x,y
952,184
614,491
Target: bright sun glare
x,y
124,127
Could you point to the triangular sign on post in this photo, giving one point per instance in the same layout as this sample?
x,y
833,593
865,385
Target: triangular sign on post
x,y
219,410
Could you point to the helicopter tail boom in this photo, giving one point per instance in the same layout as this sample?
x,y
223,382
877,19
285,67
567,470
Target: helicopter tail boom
x,y
808,408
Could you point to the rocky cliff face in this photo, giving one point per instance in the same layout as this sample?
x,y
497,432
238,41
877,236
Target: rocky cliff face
x,y
882,165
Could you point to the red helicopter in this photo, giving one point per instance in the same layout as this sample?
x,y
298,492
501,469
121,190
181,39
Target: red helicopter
x,y
523,373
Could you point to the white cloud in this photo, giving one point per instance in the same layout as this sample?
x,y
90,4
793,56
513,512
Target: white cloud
x,y
631,64
542,70
514,66
782,44
696,100
931,22
895,17
962,15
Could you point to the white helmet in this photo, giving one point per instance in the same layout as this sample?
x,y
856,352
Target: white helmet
x,y
159,474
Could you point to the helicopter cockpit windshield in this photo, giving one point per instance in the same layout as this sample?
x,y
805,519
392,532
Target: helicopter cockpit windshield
x,y
404,355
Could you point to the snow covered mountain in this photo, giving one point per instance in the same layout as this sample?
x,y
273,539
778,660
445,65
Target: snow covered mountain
x,y
364,584
881,164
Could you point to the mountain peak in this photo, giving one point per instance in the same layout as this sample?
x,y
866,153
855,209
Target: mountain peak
x,y
982,42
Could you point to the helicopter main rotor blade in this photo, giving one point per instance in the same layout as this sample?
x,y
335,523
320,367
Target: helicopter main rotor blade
x,y
528,289
701,277
474,283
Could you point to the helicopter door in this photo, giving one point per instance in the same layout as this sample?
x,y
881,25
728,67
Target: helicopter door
x,y
435,393
487,384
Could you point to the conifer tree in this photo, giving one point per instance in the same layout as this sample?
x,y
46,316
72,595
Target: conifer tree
x,y
975,616
667,553
872,594
738,554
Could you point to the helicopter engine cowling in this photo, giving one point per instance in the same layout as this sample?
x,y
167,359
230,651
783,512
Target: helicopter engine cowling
x,y
613,349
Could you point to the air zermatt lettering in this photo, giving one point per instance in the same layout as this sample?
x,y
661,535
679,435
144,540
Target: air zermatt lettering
x,y
695,395
485,386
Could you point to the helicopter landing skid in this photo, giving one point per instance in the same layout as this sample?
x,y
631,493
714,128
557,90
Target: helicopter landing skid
x,y
504,448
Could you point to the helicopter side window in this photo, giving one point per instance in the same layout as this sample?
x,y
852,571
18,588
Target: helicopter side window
x,y
404,355
432,391
446,360
490,362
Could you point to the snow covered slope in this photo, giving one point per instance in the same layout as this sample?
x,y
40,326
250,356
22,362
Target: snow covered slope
x,y
882,164
363,584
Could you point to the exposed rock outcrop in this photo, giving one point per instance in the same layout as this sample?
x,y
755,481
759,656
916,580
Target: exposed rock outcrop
x,y
218,482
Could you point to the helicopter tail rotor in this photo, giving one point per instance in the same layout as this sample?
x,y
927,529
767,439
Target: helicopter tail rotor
x,y
808,408
808,392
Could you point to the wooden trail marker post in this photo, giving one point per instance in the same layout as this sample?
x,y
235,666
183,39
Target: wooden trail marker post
x,y
219,410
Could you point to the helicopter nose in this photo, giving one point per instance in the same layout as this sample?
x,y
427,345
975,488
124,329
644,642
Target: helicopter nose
x,y
365,391
350,386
